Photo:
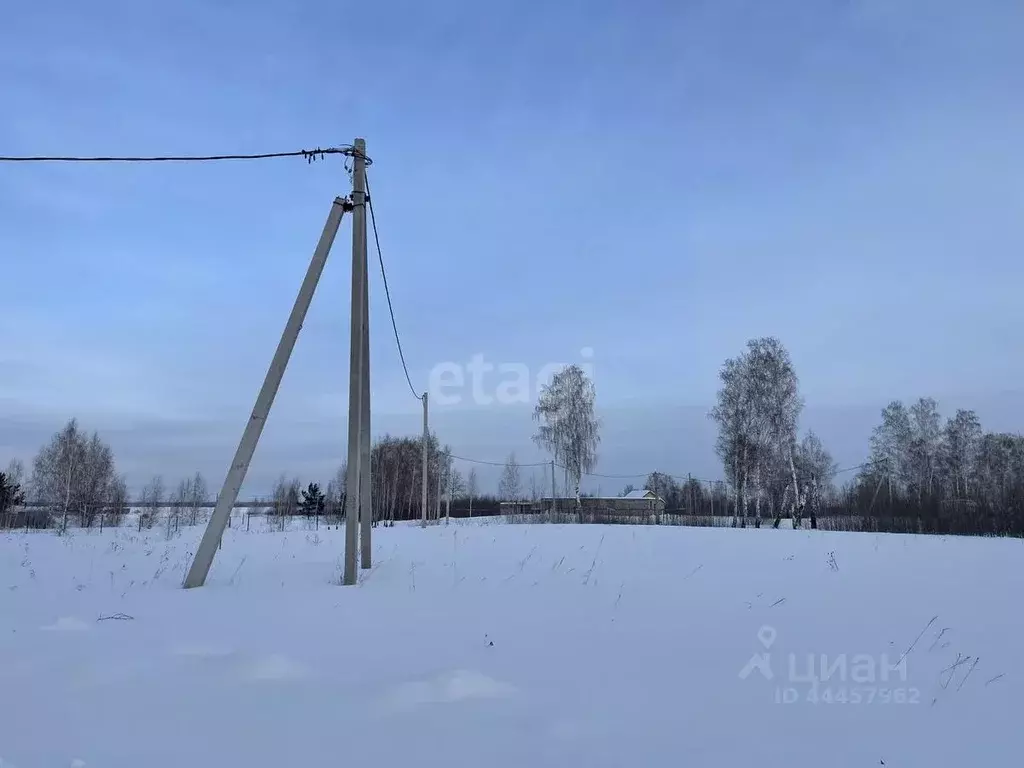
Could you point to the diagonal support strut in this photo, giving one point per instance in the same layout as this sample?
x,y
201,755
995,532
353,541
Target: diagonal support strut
x,y
203,559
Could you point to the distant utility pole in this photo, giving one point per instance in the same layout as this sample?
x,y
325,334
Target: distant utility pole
x,y
426,448
353,496
228,495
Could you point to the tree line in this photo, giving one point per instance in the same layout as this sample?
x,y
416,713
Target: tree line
x,y
922,473
74,480
948,477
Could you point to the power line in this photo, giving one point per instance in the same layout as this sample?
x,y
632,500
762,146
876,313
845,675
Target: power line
x,y
619,477
387,292
645,475
310,155
560,466
498,463
850,469
630,477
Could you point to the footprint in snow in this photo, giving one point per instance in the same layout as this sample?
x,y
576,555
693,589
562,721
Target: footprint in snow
x,y
274,667
445,688
271,667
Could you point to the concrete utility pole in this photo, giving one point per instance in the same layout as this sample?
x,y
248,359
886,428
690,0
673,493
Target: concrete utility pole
x,y
426,449
355,375
365,482
228,495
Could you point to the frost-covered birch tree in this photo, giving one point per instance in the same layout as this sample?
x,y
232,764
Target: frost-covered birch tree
x,y
776,412
15,472
890,448
758,409
74,474
962,437
510,485
197,497
180,499
925,445
569,430
119,499
816,470
455,486
734,416
151,500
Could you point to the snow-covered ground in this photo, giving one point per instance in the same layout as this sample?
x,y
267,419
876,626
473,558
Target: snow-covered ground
x,y
502,645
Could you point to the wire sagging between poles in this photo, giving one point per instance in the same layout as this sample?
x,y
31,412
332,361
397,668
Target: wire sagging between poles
x,y
310,155
500,463
637,476
387,292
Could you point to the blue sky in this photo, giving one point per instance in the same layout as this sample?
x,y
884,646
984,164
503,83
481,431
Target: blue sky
x,y
655,181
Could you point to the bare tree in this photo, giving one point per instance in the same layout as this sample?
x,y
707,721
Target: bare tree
x,y
334,496
444,468
151,501
735,416
56,470
98,476
197,497
962,438
119,500
665,488
472,487
890,448
15,472
509,487
285,500
180,499
74,473
999,469
569,430
925,445
455,488
816,470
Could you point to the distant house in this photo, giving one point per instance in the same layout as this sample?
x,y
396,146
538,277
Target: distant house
x,y
642,502
645,494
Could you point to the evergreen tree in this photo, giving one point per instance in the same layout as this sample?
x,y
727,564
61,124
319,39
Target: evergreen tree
x,y
313,500
11,494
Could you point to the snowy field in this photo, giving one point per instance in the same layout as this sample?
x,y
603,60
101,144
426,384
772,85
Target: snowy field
x,y
502,645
